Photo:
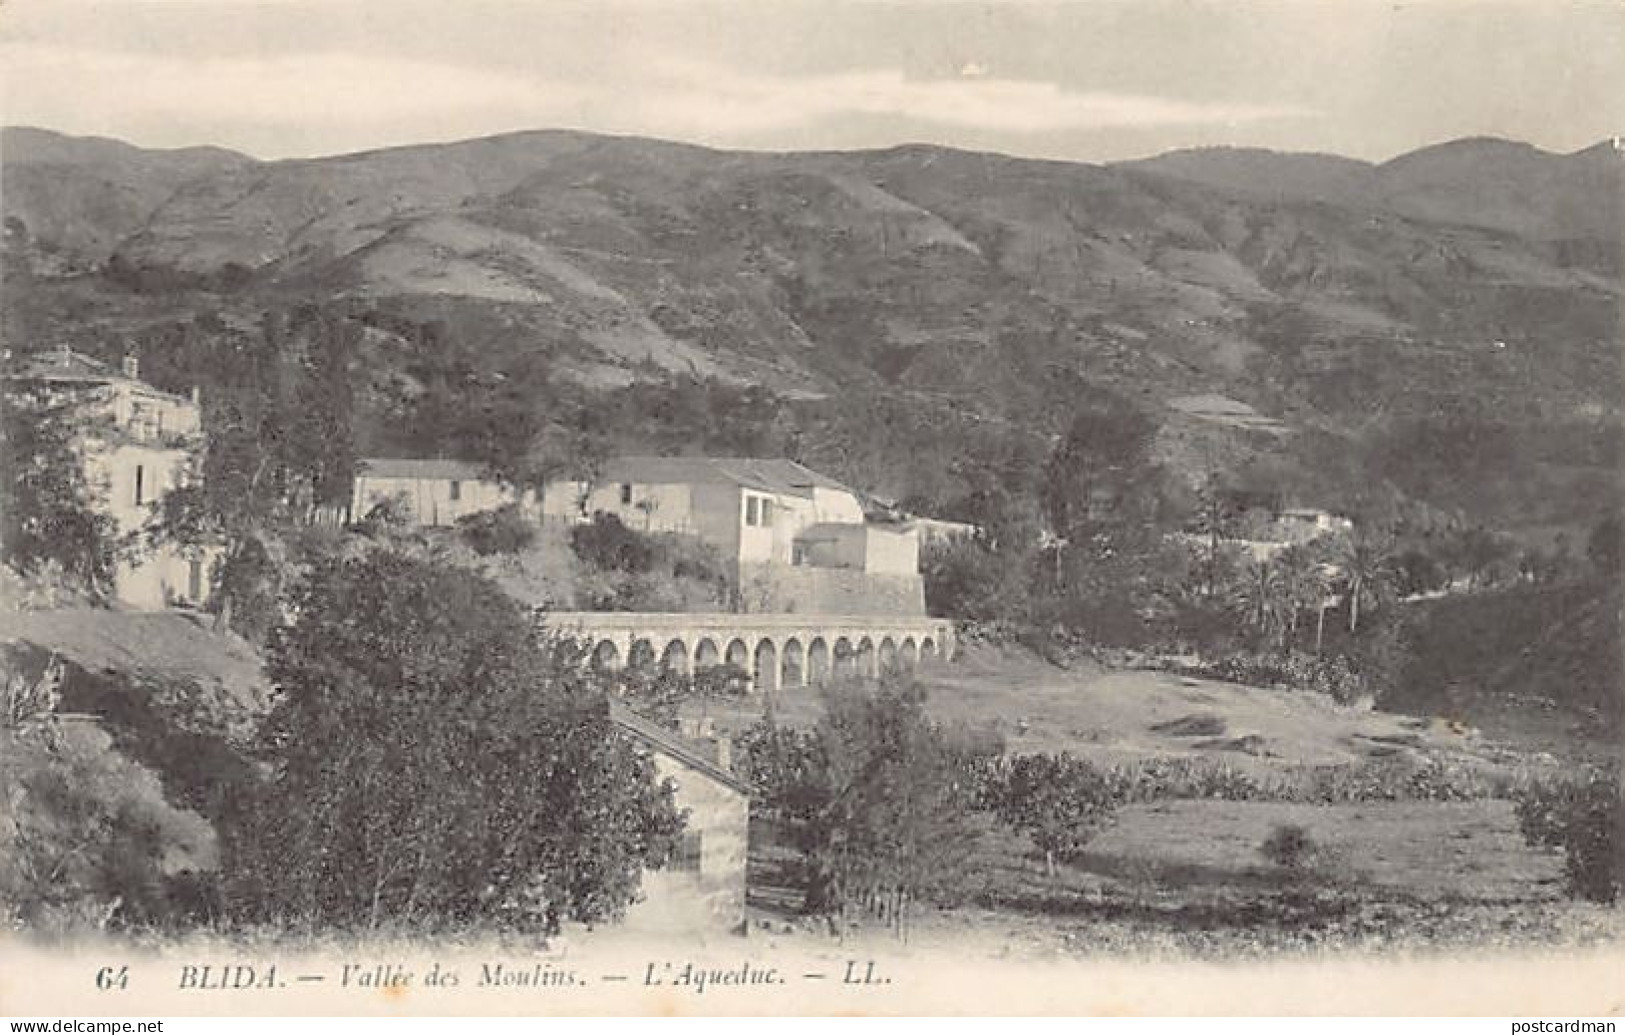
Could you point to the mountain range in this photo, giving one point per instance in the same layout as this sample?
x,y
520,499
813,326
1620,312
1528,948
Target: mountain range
x,y
1478,280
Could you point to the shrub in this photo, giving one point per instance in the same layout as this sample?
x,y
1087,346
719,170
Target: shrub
x,y
1586,819
1331,674
90,839
608,545
1057,800
1289,846
504,530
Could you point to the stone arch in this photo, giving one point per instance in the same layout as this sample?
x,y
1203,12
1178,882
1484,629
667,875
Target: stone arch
x,y
818,661
675,657
908,655
706,654
641,657
738,654
928,648
794,671
866,657
843,658
606,656
887,654
765,672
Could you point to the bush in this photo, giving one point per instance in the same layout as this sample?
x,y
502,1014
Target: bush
x,y
1333,675
1057,800
1289,846
90,839
1586,819
504,530
608,545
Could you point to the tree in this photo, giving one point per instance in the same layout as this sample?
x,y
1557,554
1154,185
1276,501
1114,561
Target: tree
x,y
1366,560
1215,519
1100,475
1262,598
1057,800
876,797
49,513
970,579
1303,586
434,760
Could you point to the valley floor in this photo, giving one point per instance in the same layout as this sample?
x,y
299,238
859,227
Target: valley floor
x,y
1186,876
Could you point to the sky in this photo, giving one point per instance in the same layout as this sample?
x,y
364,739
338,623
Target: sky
x,y
1087,80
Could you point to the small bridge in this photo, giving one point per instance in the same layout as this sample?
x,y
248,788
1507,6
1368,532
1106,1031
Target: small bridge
x,y
777,650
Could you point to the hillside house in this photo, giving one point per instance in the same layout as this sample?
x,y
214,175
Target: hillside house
x,y
1305,524
704,885
430,492
791,538
137,442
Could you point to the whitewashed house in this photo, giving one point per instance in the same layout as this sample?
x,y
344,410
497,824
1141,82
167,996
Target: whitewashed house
x,y
137,442
792,539
431,492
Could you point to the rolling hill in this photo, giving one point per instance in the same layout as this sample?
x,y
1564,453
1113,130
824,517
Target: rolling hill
x,y
1478,278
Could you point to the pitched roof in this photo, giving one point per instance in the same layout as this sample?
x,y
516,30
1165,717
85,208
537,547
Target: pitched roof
x,y
671,744
62,365
767,475
427,470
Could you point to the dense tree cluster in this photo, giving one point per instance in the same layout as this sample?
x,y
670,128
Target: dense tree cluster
x,y
434,762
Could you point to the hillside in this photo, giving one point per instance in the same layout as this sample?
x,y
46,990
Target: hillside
x,y
1342,300
77,198
1482,182
1543,666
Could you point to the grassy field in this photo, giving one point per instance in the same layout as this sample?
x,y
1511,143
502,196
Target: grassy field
x,y
1116,716
1188,876
1187,879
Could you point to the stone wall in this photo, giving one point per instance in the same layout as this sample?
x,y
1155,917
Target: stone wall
x,y
829,591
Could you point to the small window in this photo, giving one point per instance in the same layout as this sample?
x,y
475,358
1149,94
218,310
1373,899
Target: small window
x,y
456,491
690,848
751,513
194,580
767,513
140,496
626,495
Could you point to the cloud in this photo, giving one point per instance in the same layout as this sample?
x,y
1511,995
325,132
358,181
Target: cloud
x,y
702,96
301,103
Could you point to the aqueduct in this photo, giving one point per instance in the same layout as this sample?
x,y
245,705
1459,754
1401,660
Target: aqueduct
x,y
777,650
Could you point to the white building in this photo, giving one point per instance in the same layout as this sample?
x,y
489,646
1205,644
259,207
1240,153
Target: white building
x,y
1304,524
792,538
137,443
432,492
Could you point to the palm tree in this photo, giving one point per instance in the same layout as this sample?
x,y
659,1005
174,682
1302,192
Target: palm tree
x,y
1303,586
1366,558
1261,597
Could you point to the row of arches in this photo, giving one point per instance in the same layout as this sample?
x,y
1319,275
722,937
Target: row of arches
x,y
771,664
